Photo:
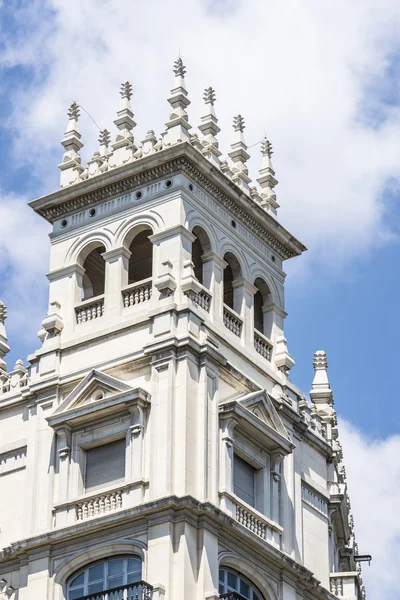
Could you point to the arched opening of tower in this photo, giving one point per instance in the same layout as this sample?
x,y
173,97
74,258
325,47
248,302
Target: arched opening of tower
x,y
232,272
200,246
141,259
262,298
93,280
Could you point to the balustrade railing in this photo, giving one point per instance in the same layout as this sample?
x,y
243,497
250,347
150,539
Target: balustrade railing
x,y
137,292
131,591
201,298
232,321
346,584
90,309
262,345
336,585
98,505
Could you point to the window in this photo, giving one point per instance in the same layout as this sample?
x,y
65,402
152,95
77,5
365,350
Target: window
x,y
109,574
244,479
230,581
105,465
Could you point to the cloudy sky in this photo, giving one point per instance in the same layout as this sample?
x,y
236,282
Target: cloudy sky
x,y
322,78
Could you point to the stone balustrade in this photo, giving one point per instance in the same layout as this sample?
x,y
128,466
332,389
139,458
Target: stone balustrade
x,y
232,321
90,309
99,505
202,298
262,345
136,293
346,585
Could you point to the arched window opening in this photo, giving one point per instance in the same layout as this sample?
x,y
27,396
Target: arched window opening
x,y
141,259
231,272
95,272
116,573
232,581
262,298
200,246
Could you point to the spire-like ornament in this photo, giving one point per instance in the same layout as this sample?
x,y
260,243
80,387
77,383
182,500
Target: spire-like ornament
x,y
239,155
209,128
4,347
321,394
70,165
267,179
178,125
123,147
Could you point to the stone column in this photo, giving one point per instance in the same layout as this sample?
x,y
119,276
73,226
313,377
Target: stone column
x,y
227,426
66,288
213,279
243,292
274,317
117,264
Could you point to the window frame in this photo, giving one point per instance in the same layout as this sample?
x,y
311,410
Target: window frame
x,y
105,562
255,593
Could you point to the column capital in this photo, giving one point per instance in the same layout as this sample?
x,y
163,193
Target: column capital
x,y
212,256
65,272
172,232
273,307
116,253
246,284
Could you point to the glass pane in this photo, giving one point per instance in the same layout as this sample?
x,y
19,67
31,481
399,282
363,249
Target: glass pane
x,y
232,581
221,588
222,575
134,564
95,587
96,573
78,580
135,576
115,566
244,589
76,593
114,582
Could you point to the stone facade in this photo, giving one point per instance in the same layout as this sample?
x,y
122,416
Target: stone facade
x,y
155,436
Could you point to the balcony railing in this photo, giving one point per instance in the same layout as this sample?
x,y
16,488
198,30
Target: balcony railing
x,y
132,591
201,298
232,321
99,505
136,293
233,596
89,309
262,345
346,584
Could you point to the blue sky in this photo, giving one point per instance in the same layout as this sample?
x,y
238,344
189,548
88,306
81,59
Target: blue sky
x,y
323,79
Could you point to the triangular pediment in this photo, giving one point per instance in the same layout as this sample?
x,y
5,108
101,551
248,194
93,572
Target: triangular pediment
x,y
261,406
95,386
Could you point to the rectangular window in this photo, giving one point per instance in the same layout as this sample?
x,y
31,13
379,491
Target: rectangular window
x,y
244,480
105,465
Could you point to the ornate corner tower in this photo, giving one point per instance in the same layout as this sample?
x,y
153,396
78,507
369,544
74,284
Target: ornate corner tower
x,y
155,446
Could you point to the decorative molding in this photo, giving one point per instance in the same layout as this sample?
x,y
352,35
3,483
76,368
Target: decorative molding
x,y
314,500
13,460
169,167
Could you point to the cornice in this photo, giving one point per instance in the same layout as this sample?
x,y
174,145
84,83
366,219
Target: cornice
x,y
180,159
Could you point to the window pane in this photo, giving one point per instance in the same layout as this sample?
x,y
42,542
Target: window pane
x,y
96,587
134,564
76,593
244,480
96,572
115,567
105,464
221,588
116,581
232,581
78,580
244,589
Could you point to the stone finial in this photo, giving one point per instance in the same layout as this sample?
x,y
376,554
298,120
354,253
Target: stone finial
x,y
53,322
267,179
178,125
70,165
123,147
4,347
239,154
104,138
283,360
104,150
321,393
209,128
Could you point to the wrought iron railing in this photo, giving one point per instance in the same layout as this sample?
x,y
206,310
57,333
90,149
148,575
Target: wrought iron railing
x,y
233,596
132,591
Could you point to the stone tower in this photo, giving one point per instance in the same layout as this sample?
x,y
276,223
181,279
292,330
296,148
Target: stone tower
x,y
155,447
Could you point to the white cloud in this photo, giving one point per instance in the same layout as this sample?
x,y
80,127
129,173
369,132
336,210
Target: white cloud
x,y
373,469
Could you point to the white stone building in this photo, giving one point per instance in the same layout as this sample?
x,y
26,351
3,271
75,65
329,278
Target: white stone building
x,y
154,445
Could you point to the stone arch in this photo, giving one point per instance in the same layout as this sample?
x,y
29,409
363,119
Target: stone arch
x,y
94,277
79,250
245,567
232,272
80,559
132,226
194,220
262,298
257,273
